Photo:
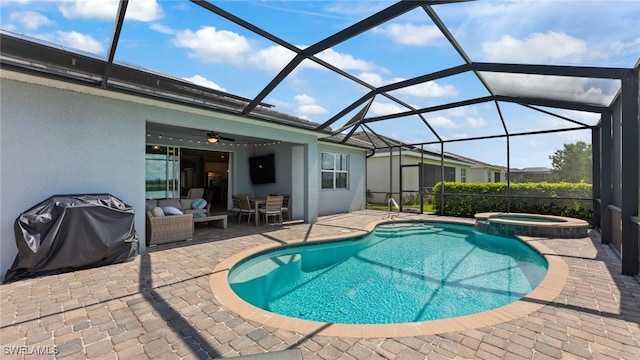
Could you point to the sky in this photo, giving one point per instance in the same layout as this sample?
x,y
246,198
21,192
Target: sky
x,y
184,40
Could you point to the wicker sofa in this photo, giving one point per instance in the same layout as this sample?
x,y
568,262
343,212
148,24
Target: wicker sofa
x,y
165,229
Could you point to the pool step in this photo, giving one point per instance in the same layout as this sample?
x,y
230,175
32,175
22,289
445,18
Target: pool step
x,y
395,230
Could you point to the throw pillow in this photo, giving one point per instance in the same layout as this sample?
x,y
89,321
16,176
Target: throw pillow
x,y
170,210
157,211
199,204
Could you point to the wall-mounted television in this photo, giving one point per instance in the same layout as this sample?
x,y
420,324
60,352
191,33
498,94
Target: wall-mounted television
x,y
262,169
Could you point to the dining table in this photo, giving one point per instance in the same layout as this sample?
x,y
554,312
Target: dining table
x,y
256,204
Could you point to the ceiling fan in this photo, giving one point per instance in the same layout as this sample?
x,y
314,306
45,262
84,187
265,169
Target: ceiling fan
x,y
214,137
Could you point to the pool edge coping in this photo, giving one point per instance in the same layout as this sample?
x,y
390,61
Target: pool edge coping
x,y
547,291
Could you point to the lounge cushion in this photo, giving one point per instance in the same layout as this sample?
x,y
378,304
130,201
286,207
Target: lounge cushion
x,y
170,210
157,211
170,202
195,211
185,204
199,204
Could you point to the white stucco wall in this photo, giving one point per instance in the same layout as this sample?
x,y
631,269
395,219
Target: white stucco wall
x,y
62,142
344,200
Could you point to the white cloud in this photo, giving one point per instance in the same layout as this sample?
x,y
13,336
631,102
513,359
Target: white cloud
x,y
346,61
163,29
384,108
272,58
30,19
409,34
202,81
442,122
141,10
428,89
552,87
78,41
214,46
307,105
537,48
475,122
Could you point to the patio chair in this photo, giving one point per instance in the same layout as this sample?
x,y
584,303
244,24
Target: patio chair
x,y
272,209
286,198
245,208
235,210
195,193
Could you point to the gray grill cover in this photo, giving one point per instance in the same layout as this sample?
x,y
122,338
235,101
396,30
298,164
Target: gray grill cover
x,y
71,232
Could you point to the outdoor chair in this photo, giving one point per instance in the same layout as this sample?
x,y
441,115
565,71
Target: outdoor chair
x,y
285,205
235,210
195,193
245,208
272,209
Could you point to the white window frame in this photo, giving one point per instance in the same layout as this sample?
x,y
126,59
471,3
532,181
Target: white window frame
x,y
334,170
463,175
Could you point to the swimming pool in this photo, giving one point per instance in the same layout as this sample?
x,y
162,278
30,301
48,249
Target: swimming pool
x,y
398,273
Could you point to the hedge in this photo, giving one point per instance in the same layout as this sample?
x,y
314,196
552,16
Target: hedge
x,y
467,199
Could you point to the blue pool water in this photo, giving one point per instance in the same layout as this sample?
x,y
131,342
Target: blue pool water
x,y
401,272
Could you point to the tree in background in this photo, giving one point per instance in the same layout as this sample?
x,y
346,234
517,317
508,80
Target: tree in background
x,y
573,163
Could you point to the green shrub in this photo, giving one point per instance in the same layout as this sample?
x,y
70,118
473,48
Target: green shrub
x,y
467,199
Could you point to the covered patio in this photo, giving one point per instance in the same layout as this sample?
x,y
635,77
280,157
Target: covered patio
x,y
161,305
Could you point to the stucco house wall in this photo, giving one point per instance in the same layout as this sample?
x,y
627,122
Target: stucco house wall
x,y
57,141
62,138
333,201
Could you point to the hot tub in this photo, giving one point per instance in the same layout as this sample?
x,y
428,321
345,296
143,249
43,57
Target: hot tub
x,y
534,225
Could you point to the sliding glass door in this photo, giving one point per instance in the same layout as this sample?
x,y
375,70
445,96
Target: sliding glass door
x,y
162,169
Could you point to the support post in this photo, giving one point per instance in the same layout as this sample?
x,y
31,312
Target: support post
x,y
630,119
606,191
595,175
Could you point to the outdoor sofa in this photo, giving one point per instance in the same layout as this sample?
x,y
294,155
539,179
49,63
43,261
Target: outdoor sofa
x,y
171,220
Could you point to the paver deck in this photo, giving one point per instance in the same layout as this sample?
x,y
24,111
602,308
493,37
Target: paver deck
x,y
161,306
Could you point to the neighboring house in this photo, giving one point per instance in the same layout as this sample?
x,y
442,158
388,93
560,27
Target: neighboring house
x,y
534,174
421,168
480,171
62,134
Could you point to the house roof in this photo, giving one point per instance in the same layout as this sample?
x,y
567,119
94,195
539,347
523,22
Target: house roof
x,y
35,56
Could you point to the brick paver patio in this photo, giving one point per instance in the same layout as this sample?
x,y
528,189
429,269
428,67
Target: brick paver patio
x,y
160,306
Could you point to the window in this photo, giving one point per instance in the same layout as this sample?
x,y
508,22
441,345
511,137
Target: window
x,y
489,173
334,171
463,175
161,172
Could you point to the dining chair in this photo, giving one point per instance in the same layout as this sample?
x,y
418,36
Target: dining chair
x,y
272,209
235,210
245,208
195,193
285,205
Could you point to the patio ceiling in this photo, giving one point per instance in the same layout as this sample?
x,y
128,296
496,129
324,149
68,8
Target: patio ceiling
x,y
187,137
349,96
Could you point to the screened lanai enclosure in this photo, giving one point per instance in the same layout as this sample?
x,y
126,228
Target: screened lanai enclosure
x,y
498,86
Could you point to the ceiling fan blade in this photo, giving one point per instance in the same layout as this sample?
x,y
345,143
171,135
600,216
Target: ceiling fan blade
x,y
226,138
